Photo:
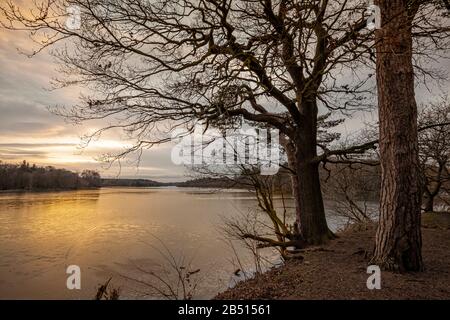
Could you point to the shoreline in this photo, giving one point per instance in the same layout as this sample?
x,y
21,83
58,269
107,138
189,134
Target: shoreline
x,y
112,187
338,270
45,190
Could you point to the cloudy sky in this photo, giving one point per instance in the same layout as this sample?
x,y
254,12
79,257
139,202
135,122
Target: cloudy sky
x,y
29,131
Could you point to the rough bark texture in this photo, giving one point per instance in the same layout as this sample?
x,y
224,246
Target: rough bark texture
x,y
313,226
311,221
398,239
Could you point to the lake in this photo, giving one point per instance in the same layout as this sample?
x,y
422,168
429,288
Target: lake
x,y
120,233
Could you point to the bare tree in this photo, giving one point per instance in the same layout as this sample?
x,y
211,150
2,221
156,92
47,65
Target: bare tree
x,y
156,65
434,152
270,225
352,188
175,279
105,293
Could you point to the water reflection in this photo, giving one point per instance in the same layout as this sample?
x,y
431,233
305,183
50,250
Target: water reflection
x,y
108,232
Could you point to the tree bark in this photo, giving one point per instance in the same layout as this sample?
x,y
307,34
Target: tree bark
x,y
398,239
433,186
311,213
311,222
429,203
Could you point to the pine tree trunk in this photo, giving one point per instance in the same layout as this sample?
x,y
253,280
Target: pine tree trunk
x,y
398,239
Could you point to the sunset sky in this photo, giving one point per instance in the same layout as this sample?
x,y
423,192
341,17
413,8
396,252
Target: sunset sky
x,y
29,131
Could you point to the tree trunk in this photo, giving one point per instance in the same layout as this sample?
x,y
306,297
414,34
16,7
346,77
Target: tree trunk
x,y
311,223
431,190
398,239
429,201
429,204
311,213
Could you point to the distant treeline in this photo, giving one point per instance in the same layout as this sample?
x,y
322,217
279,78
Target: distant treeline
x,y
133,183
338,180
32,177
210,183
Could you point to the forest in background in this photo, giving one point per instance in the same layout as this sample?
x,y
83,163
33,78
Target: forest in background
x,y
340,182
32,177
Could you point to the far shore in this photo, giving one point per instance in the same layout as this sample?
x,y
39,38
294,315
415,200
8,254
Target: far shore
x,y
112,187
45,190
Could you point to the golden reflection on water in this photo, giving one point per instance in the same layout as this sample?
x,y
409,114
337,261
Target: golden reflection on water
x,y
104,232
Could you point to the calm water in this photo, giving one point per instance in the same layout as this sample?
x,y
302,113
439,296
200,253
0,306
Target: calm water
x,y
114,232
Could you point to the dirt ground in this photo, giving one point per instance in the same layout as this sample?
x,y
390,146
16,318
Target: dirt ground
x,y
338,270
